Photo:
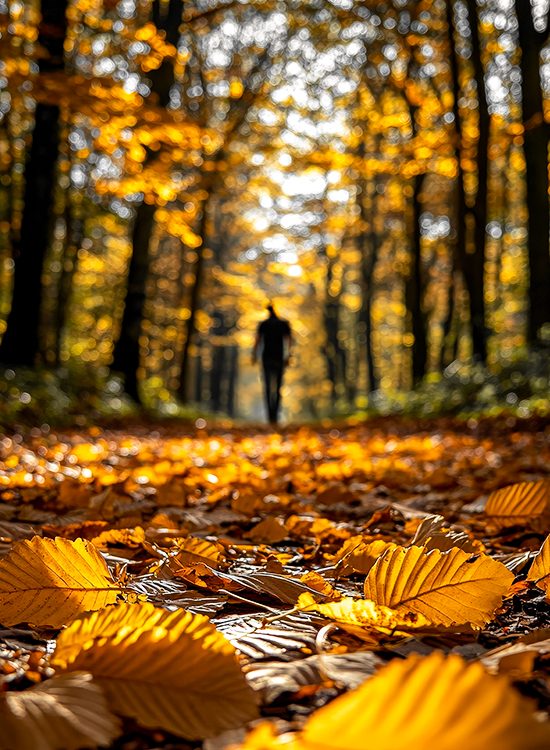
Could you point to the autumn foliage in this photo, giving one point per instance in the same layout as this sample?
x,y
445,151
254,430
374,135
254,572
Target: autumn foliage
x,y
381,581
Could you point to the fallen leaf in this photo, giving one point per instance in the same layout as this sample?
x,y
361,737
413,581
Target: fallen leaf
x,y
270,531
448,588
539,572
48,582
520,504
425,703
66,712
167,670
364,618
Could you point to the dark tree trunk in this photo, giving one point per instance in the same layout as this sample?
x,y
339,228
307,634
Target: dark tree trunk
x,y
126,354
232,379
368,248
535,144
20,343
413,289
475,261
74,226
186,360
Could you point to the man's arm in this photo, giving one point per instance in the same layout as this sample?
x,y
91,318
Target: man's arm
x,y
287,343
255,347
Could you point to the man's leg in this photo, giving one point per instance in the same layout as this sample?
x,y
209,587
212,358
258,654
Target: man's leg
x,y
267,388
279,382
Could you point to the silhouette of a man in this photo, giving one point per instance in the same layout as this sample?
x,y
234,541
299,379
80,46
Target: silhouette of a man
x,y
274,337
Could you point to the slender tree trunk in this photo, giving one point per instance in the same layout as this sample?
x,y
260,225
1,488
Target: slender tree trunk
x,y
74,238
186,361
476,260
232,379
413,289
470,257
368,247
126,353
20,343
535,143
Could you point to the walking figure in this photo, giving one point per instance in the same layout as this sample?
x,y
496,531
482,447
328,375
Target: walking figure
x,y
274,337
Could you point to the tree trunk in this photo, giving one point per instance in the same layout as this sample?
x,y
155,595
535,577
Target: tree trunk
x,y
126,353
74,230
475,261
413,289
368,262
232,379
186,360
20,343
535,144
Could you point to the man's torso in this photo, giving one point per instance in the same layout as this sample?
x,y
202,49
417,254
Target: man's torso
x,y
273,332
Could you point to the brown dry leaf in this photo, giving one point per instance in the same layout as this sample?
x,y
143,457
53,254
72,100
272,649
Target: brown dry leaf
x,y
361,557
167,670
515,659
270,531
320,584
449,588
430,702
520,504
193,551
540,569
132,538
66,712
48,582
365,619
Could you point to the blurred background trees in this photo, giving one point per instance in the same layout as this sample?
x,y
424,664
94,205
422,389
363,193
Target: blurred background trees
x,y
377,170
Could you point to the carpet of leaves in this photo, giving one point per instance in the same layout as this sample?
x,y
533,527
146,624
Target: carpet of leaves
x,y
277,538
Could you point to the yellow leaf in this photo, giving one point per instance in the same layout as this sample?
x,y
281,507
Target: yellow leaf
x,y
540,569
364,618
67,712
424,703
449,588
48,582
519,503
167,670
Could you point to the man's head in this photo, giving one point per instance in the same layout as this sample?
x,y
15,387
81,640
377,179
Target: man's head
x,y
271,310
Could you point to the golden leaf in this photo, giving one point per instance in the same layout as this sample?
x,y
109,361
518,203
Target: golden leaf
x,y
540,569
168,670
67,712
519,503
425,703
48,582
364,618
449,588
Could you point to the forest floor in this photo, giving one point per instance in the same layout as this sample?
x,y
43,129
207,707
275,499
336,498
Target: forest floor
x,y
274,536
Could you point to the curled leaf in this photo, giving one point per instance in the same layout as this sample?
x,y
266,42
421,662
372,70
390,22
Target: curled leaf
x,y
364,618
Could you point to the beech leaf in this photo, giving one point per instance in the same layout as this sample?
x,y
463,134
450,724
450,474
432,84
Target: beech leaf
x,y
48,582
66,712
522,503
448,588
430,702
167,670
